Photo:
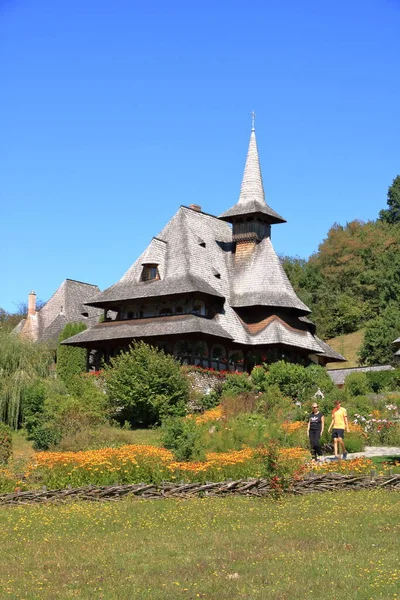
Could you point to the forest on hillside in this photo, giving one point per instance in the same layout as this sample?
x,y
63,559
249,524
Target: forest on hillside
x,y
353,281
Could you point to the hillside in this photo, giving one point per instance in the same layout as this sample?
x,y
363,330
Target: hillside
x,y
348,346
352,283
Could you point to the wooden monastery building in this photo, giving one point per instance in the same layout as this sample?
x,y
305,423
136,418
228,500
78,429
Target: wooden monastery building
x,y
67,305
211,291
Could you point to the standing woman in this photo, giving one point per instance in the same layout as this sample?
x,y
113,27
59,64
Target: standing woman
x,y
315,429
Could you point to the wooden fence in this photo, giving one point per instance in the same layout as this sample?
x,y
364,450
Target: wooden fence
x,y
328,482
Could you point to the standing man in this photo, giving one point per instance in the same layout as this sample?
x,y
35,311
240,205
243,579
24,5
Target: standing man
x,y
338,425
315,429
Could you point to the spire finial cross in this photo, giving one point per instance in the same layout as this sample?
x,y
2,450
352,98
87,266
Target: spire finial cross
x,y
253,118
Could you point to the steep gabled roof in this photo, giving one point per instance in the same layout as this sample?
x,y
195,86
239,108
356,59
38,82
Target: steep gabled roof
x,y
260,280
65,306
187,252
252,197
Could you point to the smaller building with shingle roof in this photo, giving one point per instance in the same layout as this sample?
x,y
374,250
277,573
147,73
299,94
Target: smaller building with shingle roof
x,y
67,305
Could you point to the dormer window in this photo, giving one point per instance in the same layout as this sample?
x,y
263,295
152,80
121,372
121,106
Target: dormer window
x,y
150,272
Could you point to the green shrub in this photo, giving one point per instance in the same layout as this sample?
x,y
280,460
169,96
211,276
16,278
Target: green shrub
x,y
357,384
354,442
298,382
5,443
259,377
237,383
359,405
380,380
273,404
184,438
55,414
71,360
21,363
146,385
45,436
383,434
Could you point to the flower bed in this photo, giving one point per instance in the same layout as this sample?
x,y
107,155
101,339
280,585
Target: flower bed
x,y
137,463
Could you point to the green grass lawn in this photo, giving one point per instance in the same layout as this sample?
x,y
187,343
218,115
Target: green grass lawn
x,y
325,546
347,345
387,462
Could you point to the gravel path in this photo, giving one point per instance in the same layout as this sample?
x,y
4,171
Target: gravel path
x,y
371,451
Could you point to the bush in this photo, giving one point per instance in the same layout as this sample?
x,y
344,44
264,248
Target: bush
x,y
5,443
237,383
54,414
21,363
298,382
146,386
184,438
382,433
359,405
71,361
45,436
381,381
272,403
357,384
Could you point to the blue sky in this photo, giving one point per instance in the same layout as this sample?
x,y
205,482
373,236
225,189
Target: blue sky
x,y
112,114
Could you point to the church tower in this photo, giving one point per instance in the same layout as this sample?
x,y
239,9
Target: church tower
x,y
251,217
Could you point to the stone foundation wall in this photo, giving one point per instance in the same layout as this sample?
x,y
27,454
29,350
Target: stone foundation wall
x,y
204,382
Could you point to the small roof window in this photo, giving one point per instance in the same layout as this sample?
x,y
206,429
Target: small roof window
x,y
150,272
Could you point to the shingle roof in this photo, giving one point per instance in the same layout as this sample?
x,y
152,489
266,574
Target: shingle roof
x,y
183,264
279,332
195,252
261,280
151,327
65,306
252,196
338,376
329,352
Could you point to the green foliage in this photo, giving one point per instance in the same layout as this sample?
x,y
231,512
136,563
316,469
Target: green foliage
x,y
392,214
45,436
237,383
184,438
352,278
146,385
274,404
258,377
298,382
356,384
5,443
245,430
52,414
71,361
21,363
383,380
359,405
377,348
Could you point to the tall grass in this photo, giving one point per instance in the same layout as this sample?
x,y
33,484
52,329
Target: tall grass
x,y
21,362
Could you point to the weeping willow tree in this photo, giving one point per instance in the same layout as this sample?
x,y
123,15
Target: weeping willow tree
x,y
21,363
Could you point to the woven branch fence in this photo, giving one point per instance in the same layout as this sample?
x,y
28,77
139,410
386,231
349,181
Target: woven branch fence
x,y
328,482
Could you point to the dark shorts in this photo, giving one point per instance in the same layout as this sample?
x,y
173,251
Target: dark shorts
x,y
337,433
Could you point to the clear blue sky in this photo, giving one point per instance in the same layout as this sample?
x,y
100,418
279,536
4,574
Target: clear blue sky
x,y
112,114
